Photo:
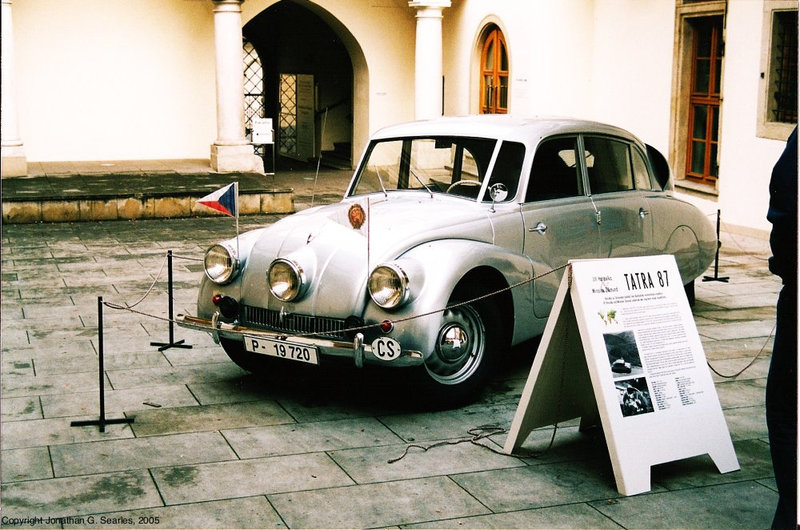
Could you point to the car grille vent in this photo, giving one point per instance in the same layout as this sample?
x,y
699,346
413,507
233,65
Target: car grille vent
x,y
293,323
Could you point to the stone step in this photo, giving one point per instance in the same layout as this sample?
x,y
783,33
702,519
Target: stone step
x,y
69,198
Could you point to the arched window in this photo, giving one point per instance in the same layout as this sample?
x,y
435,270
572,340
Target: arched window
x,y
494,74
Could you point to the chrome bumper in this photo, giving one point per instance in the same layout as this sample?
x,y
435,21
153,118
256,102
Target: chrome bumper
x,y
357,350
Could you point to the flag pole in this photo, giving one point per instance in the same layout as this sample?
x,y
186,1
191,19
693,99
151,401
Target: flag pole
x,y
236,195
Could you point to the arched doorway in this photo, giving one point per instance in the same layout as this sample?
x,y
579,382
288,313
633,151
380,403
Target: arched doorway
x,y
307,84
494,70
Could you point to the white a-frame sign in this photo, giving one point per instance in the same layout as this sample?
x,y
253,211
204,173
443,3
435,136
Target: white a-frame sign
x,y
621,344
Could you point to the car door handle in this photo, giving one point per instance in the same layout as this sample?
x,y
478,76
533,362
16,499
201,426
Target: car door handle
x,y
643,213
540,227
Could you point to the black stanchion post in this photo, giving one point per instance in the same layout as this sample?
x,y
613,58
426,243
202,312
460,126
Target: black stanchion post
x,y
716,277
102,421
171,344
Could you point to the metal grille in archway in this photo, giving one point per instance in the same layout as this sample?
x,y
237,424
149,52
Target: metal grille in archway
x,y
253,90
287,143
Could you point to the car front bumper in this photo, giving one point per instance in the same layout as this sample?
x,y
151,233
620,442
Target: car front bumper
x,y
357,350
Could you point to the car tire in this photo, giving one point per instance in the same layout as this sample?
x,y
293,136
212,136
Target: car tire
x,y
466,350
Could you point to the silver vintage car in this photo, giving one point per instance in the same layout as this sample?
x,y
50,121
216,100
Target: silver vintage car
x,y
447,248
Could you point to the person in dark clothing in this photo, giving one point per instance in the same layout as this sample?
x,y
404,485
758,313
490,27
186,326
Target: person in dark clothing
x,y
781,394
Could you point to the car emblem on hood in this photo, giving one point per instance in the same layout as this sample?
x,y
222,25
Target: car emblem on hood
x,y
356,216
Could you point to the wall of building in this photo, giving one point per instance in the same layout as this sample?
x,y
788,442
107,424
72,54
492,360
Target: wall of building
x,y
115,79
549,55
599,60
745,159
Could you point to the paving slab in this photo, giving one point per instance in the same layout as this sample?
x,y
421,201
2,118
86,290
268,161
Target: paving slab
x,y
138,377
77,496
739,505
117,402
754,461
27,463
437,425
567,516
245,478
136,453
521,488
377,505
248,512
209,418
22,408
294,438
57,431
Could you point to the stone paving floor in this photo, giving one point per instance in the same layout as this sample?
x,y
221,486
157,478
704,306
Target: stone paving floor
x,y
212,446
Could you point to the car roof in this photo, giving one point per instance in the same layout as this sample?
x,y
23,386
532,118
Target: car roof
x,y
505,127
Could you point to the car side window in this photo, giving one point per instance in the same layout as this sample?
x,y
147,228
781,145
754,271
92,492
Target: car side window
x,y
555,172
508,167
608,165
640,174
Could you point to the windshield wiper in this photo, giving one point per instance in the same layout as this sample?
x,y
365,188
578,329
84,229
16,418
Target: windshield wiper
x,y
420,181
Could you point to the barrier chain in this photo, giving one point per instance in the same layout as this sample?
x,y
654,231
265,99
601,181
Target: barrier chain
x,y
180,344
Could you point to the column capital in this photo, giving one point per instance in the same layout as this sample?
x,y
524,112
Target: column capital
x,y
234,6
429,4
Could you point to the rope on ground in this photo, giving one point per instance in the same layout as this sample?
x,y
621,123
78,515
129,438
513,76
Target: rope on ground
x,y
475,435
146,294
751,363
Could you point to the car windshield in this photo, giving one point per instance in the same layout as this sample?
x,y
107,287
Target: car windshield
x,y
452,165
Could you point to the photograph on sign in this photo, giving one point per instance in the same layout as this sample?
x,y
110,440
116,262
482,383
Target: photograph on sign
x,y
623,354
634,396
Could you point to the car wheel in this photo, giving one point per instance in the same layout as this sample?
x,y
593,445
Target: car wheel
x,y
249,361
463,358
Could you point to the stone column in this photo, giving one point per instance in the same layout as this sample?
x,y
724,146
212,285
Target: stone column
x,y
428,58
14,163
231,151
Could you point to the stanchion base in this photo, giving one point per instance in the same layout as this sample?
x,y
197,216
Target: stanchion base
x,y
102,422
716,278
166,345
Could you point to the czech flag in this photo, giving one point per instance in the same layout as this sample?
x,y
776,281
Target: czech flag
x,y
223,200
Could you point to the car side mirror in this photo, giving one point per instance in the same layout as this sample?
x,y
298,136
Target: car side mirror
x,y
498,192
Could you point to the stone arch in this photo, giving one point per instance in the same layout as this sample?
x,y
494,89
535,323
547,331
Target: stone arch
x,y
303,37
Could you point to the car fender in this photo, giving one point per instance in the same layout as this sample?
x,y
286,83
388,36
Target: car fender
x,y
691,239
442,265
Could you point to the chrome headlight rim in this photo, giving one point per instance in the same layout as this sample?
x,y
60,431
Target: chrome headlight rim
x,y
398,294
300,284
227,269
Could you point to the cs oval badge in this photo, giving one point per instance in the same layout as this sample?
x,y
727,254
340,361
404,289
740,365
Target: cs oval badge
x,y
386,349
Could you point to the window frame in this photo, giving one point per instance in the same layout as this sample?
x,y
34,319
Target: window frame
x,y
494,38
584,184
615,139
766,127
711,100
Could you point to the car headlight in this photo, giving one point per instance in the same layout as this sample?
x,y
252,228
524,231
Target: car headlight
x,y
221,264
388,286
286,280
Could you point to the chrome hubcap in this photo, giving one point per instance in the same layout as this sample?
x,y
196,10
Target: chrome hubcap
x,y
460,346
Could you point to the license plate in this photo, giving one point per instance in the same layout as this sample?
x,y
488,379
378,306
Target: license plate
x,y
282,349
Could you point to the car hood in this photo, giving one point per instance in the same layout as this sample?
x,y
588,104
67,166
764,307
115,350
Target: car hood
x,y
336,256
